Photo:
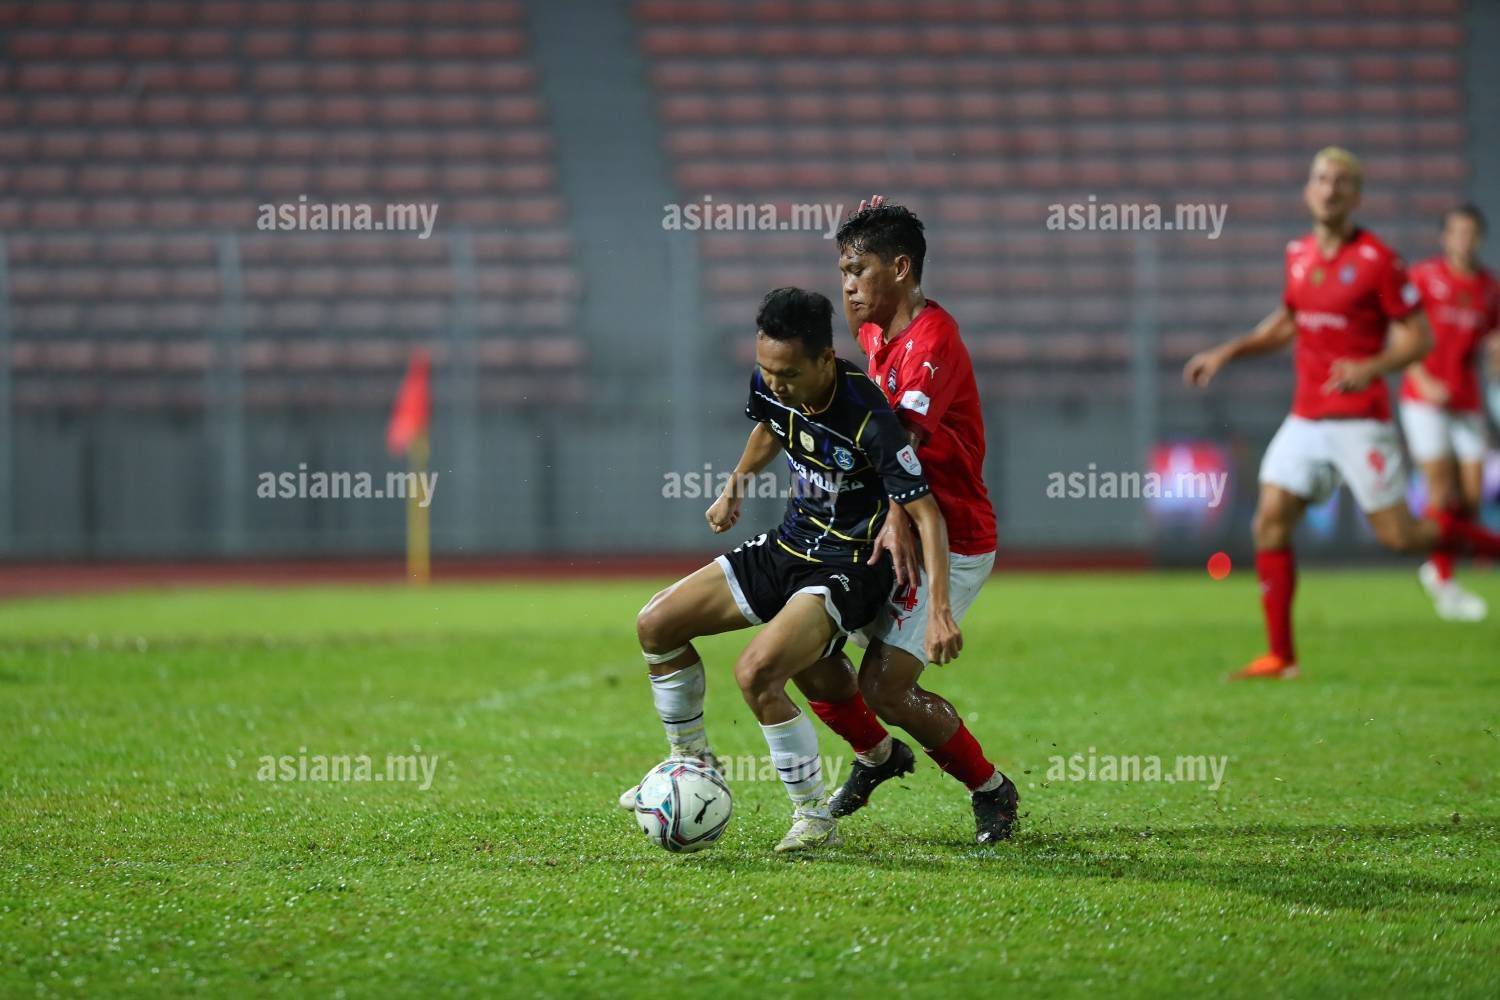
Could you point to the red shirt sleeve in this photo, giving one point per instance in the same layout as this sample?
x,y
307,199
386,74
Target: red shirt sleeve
x,y
1399,298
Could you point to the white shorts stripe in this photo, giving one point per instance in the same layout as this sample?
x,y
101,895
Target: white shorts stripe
x,y
734,589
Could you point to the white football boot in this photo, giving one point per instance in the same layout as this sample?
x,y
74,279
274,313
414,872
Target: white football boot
x,y
1451,601
627,797
812,827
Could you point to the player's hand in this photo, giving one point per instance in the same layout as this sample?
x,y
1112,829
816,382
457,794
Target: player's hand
x,y
897,538
944,640
876,200
723,514
1202,367
1349,375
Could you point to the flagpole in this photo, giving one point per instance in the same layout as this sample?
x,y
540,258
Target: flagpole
x,y
418,528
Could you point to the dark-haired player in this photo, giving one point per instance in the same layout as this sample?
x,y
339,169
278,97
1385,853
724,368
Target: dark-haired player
x,y
1442,411
915,355
810,581
1355,319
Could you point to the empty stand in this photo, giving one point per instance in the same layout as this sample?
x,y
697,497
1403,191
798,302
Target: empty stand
x,y
135,137
982,115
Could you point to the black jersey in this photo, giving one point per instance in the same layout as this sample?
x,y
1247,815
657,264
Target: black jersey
x,y
846,460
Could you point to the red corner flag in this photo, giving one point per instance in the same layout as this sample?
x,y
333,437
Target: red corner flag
x,y
413,410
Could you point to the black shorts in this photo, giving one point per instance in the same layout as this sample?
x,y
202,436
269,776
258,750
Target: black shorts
x,y
763,576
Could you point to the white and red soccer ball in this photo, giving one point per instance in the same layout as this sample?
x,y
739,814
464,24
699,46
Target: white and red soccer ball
x,y
683,805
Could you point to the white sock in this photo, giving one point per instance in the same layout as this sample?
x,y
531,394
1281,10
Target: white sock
x,y
794,751
996,780
679,705
877,754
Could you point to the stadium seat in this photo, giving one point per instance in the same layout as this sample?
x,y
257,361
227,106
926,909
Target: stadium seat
x,y
132,136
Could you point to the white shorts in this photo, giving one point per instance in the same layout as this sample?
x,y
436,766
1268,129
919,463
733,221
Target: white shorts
x,y
1433,432
1308,458
903,623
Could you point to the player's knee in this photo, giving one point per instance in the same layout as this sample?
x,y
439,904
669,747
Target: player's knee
x,y
883,697
830,679
1399,535
1270,527
755,672
655,629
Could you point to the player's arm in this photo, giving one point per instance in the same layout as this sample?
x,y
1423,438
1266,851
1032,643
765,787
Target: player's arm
x,y
1271,334
944,640
1409,341
760,449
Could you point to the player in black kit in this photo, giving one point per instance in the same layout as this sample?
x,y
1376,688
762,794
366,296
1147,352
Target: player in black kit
x,y
808,581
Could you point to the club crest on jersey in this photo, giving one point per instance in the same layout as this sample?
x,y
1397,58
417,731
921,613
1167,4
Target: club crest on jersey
x,y
1317,276
807,441
843,457
1346,274
908,458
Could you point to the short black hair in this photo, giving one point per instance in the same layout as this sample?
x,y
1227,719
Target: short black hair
x,y
1472,211
887,232
797,314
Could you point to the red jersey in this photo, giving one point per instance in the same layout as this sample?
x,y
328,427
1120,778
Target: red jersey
x,y
1463,310
926,375
1343,307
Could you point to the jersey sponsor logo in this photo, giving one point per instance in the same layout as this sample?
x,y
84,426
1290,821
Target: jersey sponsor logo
x,y
843,457
823,481
1314,321
916,401
908,458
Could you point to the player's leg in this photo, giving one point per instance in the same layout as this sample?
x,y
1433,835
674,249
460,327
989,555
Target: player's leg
x,y
832,691
700,604
1368,455
1277,513
1295,472
1443,492
801,633
889,680
1430,437
1471,484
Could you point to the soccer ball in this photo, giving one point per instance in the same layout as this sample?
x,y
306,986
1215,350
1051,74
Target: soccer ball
x,y
683,805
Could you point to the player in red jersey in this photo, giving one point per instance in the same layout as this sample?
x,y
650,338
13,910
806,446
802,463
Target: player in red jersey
x,y
1355,319
915,355
1441,408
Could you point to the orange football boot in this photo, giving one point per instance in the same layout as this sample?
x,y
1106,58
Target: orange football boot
x,y
1269,667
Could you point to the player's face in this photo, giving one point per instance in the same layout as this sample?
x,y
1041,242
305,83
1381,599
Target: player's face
x,y
1460,237
1332,191
872,287
794,378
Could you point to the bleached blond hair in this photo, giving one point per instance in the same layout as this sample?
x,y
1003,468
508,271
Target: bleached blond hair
x,y
1345,159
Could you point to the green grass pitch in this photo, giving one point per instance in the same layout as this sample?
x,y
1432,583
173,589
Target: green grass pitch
x,y
1354,846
